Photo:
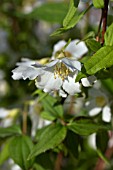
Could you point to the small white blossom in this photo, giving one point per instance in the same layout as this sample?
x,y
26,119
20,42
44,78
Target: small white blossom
x,y
98,102
60,73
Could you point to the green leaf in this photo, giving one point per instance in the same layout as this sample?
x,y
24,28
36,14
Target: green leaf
x,y
86,127
70,14
59,31
47,115
108,84
52,110
98,3
81,74
102,156
51,137
38,167
76,2
40,131
9,131
90,34
101,59
72,143
4,153
20,147
71,19
93,45
109,36
51,12
102,139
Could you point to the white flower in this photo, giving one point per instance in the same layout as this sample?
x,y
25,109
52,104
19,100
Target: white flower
x,y
60,75
75,49
51,76
98,102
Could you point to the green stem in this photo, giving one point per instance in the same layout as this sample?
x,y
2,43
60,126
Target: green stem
x,y
24,128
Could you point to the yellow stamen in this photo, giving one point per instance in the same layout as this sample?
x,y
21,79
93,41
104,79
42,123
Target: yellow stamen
x,y
100,101
61,71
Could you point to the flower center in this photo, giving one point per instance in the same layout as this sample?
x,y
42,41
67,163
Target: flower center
x,y
100,101
62,54
61,71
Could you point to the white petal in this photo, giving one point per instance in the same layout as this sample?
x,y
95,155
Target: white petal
x,y
57,47
52,63
70,86
95,111
24,72
47,82
62,93
92,140
87,82
77,49
106,114
72,64
27,69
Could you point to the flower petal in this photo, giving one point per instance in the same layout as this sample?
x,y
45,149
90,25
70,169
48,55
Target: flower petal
x,y
72,64
52,63
47,81
106,114
57,47
62,93
77,48
70,86
87,82
95,111
26,70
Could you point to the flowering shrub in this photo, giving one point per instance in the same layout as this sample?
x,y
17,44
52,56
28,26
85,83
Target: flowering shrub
x,y
71,103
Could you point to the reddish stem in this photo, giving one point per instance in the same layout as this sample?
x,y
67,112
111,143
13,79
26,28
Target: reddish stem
x,y
58,162
104,18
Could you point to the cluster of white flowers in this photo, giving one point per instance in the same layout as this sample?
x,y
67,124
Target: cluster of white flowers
x,y
60,72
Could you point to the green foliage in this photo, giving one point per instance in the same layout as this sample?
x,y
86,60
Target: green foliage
x,y
93,44
71,19
102,140
50,12
98,3
52,109
5,154
90,127
72,143
71,12
63,141
109,36
100,60
10,131
108,84
56,134
38,167
20,147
